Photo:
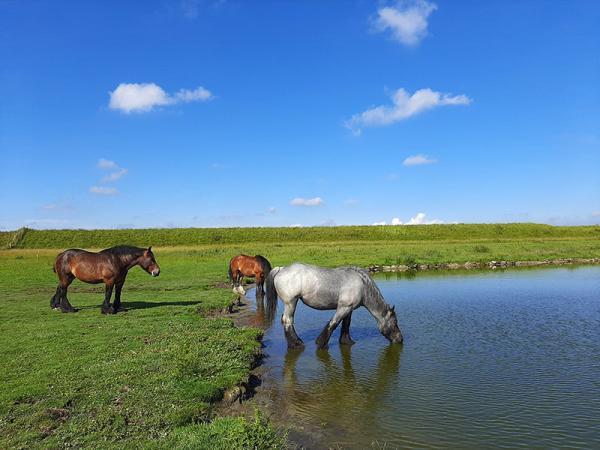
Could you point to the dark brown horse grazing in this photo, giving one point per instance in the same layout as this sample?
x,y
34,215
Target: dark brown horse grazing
x,y
109,266
256,267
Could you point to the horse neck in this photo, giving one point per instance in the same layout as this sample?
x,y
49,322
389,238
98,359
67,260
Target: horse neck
x,y
375,304
130,260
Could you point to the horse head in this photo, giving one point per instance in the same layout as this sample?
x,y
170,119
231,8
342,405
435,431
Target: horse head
x,y
389,326
148,263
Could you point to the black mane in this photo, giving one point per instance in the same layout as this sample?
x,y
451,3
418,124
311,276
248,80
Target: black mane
x,y
122,250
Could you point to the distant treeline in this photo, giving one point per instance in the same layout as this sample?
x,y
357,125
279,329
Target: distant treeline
x,y
166,237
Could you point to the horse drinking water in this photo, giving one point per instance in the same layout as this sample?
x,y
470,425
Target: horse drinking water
x,y
256,267
343,289
109,266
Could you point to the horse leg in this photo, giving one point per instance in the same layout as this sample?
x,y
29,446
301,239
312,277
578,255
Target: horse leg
x,y
259,284
323,339
65,306
55,300
117,305
287,319
345,335
106,308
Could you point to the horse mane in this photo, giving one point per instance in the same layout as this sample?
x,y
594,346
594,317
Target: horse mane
x,y
124,250
264,263
372,292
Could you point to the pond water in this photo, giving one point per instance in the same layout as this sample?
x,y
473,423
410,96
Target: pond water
x,y
490,359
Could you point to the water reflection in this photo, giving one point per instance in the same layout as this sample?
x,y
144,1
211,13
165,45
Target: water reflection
x,y
266,311
491,359
328,386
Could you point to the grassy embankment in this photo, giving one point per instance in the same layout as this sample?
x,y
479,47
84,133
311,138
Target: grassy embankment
x,y
148,377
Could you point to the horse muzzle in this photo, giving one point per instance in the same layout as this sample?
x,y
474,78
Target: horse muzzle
x,y
155,272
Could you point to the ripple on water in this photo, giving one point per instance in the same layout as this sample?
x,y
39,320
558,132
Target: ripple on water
x,y
501,359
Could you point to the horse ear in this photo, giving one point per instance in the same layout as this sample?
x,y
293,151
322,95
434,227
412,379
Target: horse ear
x,y
150,248
393,308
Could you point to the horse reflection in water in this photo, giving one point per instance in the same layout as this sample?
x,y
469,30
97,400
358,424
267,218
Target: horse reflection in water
x,y
265,310
341,395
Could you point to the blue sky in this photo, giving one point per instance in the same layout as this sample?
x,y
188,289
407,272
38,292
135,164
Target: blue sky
x,y
231,113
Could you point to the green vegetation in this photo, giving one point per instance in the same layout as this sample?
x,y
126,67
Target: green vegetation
x,y
150,377
134,379
169,237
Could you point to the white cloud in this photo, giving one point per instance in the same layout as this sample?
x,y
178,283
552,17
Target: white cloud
x,y
329,223
296,225
197,95
116,173
143,97
407,21
272,210
404,106
107,164
104,190
418,160
299,201
421,219
114,176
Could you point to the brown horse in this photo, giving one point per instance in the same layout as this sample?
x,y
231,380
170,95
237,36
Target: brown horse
x,y
256,267
109,266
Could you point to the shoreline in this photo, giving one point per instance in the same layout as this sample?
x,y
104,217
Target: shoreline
x,y
378,268
244,398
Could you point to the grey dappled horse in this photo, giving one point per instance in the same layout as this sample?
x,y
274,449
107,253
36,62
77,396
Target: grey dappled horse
x,y
343,289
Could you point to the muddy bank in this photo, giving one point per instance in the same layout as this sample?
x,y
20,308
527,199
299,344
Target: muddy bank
x,y
376,268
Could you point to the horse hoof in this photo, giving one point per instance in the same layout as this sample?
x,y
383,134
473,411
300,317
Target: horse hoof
x,y
347,341
110,310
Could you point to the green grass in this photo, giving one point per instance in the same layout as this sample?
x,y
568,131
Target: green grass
x,y
133,379
149,377
206,236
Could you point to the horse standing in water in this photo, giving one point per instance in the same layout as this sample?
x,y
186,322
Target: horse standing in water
x,y
109,266
256,267
343,289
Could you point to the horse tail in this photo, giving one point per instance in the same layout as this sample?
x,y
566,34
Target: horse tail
x,y
271,290
265,265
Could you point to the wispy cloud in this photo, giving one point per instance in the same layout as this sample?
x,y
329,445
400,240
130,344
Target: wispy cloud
x,y
418,160
57,207
406,21
107,164
272,210
116,173
351,201
299,201
403,106
143,97
114,176
103,190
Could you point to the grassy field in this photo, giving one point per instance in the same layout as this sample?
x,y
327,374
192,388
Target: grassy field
x,y
27,238
149,377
